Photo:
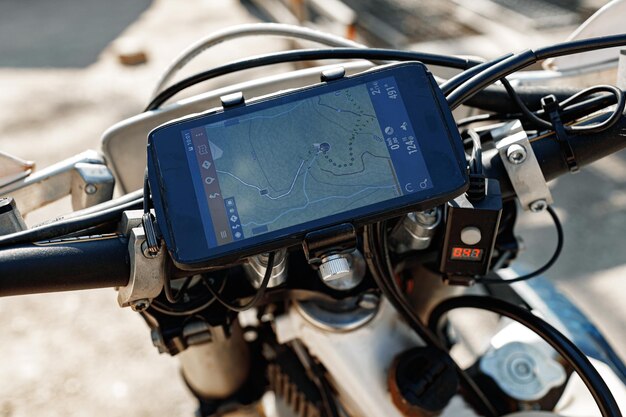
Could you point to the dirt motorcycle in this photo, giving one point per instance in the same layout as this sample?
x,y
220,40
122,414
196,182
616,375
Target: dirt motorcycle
x,y
282,295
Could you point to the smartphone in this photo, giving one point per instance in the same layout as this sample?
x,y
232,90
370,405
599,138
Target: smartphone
x,y
252,178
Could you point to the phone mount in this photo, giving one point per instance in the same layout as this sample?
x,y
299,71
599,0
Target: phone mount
x,y
333,252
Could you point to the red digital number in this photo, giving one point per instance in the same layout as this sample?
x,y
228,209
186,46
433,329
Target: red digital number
x,y
470,254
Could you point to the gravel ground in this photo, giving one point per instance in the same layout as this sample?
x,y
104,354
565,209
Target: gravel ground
x,y
80,354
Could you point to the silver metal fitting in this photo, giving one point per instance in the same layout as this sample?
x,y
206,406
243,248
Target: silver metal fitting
x,y
11,220
523,371
369,301
256,267
147,274
538,206
342,271
85,176
522,166
415,230
516,154
334,267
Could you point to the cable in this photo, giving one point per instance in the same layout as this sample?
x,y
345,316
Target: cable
x,y
385,281
167,289
516,62
546,266
183,312
253,29
71,224
259,294
595,128
308,55
460,78
565,347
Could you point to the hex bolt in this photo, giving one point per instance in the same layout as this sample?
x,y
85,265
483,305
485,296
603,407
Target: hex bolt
x,y
368,301
140,305
516,154
538,205
90,189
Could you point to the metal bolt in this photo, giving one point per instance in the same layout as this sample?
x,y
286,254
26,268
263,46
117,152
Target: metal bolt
x,y
516,154
368,301
538,205
140,305
146,251
90,189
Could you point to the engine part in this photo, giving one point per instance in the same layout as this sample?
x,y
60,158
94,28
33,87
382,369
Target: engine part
x,y
218,365
357,361
415,231
522,371
422,381
257,265
289,381
10,218
340,315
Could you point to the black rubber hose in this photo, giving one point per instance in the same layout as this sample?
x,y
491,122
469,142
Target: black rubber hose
x,y
308,55
502,68
565,347
71,224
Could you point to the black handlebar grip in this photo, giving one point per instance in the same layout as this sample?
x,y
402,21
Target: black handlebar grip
x,y
587,148
64,265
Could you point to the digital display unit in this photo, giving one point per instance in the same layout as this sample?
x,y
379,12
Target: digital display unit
x,y
265,173
460,253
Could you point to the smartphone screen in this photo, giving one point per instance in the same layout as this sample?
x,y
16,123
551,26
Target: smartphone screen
x,y
230,183
305,160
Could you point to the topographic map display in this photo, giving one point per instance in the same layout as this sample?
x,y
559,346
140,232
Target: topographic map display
x,y
303,161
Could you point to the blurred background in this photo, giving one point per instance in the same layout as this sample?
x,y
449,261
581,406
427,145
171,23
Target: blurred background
x,y
69,70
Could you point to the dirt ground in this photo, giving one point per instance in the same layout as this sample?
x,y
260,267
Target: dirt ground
x,y
80,354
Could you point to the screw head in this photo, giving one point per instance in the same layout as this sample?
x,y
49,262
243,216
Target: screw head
x,y
90,189
140,305
516,154
538,205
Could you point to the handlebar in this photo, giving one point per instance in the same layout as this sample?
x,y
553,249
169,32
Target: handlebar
x,y
587,148
64,265
103,261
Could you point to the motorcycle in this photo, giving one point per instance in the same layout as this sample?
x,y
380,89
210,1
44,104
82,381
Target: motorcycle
x,y
355,321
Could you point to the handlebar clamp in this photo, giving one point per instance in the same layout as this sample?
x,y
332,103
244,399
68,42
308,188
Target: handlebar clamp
x,y
523,169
